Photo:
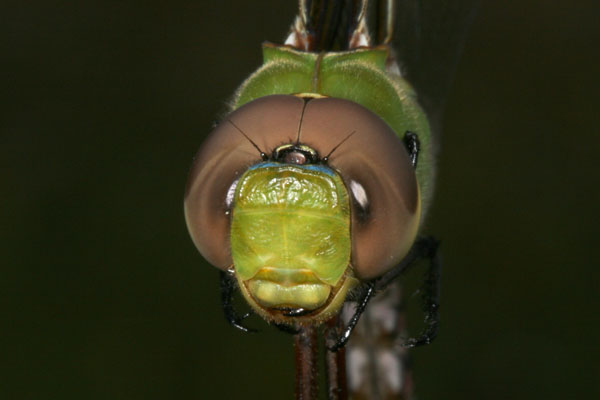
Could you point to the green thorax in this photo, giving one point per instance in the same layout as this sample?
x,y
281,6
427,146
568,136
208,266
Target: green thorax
x,y
359,76
291,223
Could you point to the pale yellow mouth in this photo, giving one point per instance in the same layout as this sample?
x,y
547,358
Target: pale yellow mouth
x,y
289,288
274,292
274,295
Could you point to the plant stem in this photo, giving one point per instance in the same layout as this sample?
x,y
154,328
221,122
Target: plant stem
x,y
335,363
307,347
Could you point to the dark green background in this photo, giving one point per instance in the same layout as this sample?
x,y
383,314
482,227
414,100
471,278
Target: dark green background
x,y
103,296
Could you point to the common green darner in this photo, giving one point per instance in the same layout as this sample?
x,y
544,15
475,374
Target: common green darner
x,y
313,190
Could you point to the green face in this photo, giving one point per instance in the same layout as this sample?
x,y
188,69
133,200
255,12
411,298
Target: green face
x,y
290,236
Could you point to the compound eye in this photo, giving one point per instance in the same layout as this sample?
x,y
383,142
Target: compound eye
x,y
237,143
377,170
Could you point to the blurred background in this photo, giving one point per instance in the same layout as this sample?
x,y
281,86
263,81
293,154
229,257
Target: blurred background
x,y
102,294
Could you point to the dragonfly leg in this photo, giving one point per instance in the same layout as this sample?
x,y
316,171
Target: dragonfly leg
x,y
228,286
413,145
430,296
368,292
424,248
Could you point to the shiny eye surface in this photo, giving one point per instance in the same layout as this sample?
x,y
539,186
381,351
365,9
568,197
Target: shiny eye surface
x,y
359,195
371,159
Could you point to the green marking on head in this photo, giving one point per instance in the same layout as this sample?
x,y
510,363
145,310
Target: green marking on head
x,y
290,233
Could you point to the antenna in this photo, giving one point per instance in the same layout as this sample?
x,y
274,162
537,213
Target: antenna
x,y
326,158
263,155
300,123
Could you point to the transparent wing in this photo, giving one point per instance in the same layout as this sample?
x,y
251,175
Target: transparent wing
x,y
429,36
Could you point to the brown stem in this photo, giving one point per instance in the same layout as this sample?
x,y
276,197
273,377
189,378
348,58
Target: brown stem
x,y
307,347
335,363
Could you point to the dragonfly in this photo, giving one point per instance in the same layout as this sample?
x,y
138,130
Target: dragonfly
x,y
310,196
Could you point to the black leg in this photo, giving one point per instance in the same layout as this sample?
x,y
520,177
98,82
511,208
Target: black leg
x,y
411,141
424,248
228,286
341,341
431,305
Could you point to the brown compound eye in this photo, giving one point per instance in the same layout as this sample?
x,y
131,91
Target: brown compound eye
x,y
371,159
224,156
379,175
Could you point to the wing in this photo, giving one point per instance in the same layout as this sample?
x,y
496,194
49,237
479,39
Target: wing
x,y
429,37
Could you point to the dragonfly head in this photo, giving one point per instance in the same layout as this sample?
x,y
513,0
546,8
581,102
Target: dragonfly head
x,y
304,197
